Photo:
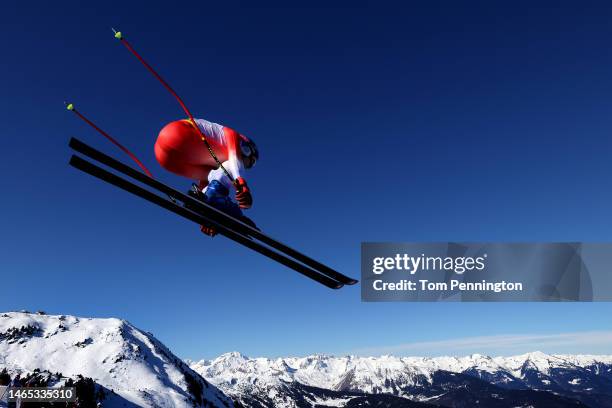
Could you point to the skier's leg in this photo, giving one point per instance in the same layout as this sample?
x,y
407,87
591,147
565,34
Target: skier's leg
x,y
217,194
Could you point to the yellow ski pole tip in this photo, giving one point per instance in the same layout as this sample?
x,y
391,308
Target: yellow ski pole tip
x,y
118,35
70,107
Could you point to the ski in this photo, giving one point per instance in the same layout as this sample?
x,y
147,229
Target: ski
x,y
199,219
209,212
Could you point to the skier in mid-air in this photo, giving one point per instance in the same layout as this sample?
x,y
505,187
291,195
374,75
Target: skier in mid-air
x,y
216,157
179,150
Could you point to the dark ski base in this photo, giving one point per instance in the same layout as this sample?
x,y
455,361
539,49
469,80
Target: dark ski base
x,y
200,212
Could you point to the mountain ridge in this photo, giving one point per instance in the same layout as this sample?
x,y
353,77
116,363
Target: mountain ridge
x,y
554,380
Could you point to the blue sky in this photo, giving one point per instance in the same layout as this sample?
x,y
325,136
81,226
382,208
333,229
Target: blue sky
x,y
375,122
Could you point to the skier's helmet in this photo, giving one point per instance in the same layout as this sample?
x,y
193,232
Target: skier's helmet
x,y
249,152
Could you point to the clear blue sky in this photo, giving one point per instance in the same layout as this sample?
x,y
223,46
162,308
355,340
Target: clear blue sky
x,y
376,122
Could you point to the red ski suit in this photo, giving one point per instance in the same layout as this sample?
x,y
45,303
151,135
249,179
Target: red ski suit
x,y
180,150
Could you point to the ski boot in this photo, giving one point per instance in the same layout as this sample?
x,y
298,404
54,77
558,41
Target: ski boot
x,y
217,195
196,193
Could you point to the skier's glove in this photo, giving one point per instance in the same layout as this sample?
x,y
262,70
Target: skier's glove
x,y
209,230
243,193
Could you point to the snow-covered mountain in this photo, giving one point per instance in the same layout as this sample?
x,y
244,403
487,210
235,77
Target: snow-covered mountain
x,y
122,365
113,362
535,379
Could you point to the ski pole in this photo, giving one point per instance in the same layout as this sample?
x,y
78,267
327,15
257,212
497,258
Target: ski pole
x,y
120,37
71,108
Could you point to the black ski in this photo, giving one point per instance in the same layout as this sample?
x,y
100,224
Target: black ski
x,y
199,219
209,212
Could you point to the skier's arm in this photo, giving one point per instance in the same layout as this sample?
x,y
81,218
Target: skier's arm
x,y
234,163
235,167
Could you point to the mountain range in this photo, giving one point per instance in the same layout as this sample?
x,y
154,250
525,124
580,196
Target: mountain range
x,y
114,364
528,380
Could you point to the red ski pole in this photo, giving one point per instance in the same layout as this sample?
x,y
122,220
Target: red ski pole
x,y
120,37
71,108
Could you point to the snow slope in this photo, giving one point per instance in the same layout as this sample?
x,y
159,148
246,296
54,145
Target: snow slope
x,y
115,354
